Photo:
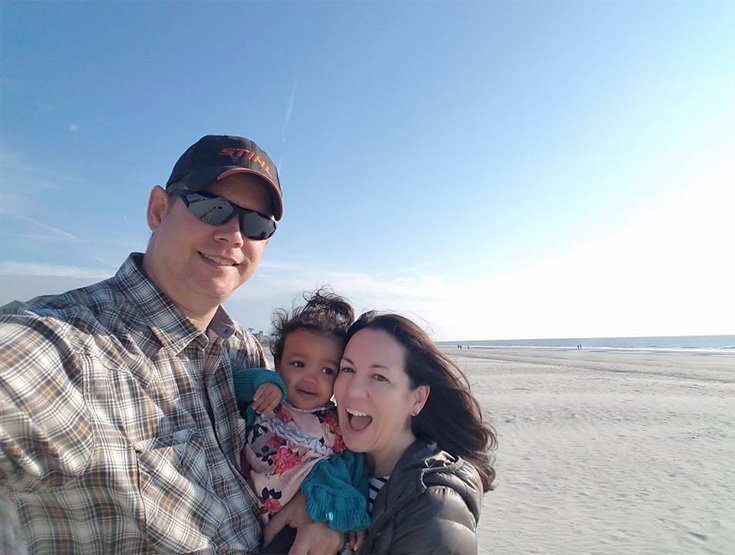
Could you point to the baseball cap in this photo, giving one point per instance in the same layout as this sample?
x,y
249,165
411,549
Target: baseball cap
x,y
215,157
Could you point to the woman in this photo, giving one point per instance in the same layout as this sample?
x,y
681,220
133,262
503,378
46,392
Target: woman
x,y
409,409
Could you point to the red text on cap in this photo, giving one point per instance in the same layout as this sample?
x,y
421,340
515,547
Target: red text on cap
x,y
250,155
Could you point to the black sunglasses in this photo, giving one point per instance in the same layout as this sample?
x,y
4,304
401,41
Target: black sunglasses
x,y
215,210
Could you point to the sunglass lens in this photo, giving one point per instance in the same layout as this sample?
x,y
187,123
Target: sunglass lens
x,y
211,211
256,227
217,211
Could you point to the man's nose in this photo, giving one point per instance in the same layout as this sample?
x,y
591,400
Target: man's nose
x,y
230,232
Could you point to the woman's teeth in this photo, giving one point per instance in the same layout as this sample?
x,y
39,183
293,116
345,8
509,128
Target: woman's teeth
x,y
358,420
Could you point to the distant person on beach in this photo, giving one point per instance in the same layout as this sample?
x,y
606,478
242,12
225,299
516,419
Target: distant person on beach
x,y
119,429
294,443
410,410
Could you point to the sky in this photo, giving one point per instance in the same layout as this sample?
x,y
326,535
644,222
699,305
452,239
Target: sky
x,y
493,170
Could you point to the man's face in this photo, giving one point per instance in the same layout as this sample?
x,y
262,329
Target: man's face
x,y
196,264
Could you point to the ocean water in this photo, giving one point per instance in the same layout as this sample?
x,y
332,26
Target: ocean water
x,y
702,343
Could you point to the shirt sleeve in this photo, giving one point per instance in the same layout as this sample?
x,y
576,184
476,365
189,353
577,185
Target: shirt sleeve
x,y
45,431
247,381
336,492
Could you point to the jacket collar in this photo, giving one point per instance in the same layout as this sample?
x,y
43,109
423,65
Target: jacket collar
x,y
423,465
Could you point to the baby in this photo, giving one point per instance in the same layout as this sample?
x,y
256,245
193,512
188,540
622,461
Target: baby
x,y
293,432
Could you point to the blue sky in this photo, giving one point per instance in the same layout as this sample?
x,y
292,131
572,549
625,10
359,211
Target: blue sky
x,y
494,170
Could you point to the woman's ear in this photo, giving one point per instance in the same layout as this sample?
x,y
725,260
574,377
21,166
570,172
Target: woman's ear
x,y
420,396
158,205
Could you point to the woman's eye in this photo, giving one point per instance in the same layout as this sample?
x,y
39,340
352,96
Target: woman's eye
x,y
346,369
380,378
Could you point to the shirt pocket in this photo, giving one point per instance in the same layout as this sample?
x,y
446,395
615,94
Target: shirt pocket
x,y
182,513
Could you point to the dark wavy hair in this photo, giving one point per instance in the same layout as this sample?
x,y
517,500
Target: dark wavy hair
x,y
451,417
324,313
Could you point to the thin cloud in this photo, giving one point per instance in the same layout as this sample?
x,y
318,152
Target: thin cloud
x,y
293,278
38,225
51,270
11,161
289,111
663,274
13,165
22,182
279,285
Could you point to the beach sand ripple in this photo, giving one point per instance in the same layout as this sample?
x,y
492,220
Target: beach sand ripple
x,y
608,451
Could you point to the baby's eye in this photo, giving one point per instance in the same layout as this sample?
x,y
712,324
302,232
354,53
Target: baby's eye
x,y
327,371
297,363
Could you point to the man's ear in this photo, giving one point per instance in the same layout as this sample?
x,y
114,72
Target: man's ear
x,y
158,206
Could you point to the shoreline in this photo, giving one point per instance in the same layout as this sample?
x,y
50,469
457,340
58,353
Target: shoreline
x,y
520,348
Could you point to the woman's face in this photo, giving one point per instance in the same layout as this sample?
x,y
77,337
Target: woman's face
x,y
374,399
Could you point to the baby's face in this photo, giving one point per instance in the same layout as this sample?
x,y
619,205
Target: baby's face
x,y
308,367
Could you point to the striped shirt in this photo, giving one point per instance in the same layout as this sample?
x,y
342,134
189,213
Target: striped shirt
x,y
375,485
119,430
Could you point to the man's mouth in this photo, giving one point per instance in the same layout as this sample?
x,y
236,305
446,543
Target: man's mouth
x,y
217,260
358,420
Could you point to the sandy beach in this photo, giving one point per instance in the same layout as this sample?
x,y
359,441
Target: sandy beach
x,y
608,451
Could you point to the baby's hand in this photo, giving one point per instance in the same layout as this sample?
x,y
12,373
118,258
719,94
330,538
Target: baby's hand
x,y
355,539
266,398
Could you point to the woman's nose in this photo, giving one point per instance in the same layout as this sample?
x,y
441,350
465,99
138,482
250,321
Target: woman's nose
x,y
356,387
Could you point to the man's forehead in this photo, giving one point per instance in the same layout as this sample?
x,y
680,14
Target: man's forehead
x,y
243,188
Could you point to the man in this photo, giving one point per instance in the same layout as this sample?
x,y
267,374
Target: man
x,y
119,430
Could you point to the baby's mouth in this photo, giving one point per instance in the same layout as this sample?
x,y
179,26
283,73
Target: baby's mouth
x,y
358,420
307,389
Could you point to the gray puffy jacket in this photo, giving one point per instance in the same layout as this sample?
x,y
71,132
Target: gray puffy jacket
x,y
431,504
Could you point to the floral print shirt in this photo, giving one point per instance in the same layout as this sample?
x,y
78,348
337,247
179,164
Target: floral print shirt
x,y
283,447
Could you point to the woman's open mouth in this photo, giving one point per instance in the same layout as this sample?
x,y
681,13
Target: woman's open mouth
x,y
358,420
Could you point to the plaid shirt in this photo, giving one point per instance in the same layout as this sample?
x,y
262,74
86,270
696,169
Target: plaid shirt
x,y
119,430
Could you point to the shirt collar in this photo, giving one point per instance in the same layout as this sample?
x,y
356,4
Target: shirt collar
x,y
223,325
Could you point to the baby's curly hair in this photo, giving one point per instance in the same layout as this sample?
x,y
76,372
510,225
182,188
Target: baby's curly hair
x,y
324,313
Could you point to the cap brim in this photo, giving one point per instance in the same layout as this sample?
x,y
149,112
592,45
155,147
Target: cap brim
x,y
198,180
